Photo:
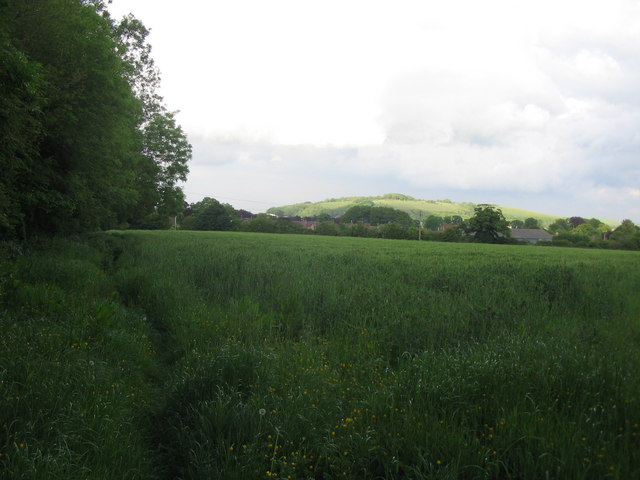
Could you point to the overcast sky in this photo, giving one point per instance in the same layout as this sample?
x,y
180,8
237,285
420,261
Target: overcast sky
x,y
532,104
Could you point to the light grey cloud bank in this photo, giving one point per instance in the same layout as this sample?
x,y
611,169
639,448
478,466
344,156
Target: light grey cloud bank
x,y
531,104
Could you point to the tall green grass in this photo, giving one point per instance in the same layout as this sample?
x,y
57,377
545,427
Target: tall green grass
x,y
73,369
231,355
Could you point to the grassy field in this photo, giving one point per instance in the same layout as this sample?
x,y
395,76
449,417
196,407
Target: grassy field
x,y
226,355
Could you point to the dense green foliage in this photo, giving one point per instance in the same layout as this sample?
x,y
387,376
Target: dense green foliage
x,y
594,233
84,141
487,225
236,355
627,232
209,214
376,216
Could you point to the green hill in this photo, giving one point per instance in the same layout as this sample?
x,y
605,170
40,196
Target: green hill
x,y
413,206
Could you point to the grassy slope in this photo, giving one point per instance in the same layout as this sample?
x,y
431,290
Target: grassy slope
x,y
230,355
413,207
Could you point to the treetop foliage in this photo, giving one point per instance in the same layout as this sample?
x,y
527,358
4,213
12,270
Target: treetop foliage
x,y
487,225
85,140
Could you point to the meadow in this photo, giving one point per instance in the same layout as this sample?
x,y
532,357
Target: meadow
x,y
230,355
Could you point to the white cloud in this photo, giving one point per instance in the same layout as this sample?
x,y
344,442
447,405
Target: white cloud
x,y
524,99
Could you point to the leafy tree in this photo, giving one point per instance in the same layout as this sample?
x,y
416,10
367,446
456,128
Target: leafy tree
x,y
358,229
78,174
357,213
376,215
595,223
154,221
517,224
531,223
261,223
560,225
209,214
575,221
625,231
452,234
213,217
165,144
188,222
412,233
586,229
487,225
284,225
392,230
327,228
85,141
433,222
571,239
139,68
21,101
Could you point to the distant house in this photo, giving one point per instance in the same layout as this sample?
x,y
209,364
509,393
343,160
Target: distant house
x,y
531,235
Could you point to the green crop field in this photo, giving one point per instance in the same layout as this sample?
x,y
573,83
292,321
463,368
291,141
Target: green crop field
x,y
199,355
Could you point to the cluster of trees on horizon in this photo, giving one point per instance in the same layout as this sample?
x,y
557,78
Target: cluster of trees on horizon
x,y
86,141
487,225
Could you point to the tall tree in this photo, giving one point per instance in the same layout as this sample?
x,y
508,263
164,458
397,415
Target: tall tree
x,y
165,145
80,175
487,225
85,142
21,102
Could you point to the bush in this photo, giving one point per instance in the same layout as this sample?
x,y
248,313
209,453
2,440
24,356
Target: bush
x,y
153,221
575,239
262,223
327,228
393,230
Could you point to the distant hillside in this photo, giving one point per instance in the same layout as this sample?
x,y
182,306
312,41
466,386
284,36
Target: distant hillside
x,y
414,207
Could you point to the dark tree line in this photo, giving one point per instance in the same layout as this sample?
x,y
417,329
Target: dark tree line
x,y
376,215
85,140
